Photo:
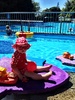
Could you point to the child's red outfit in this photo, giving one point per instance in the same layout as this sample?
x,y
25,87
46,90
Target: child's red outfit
x,y
24,68
19,59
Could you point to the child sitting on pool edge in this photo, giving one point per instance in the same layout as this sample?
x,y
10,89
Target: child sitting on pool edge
x,y
24,68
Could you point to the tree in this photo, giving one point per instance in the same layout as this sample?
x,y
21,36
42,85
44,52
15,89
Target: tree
x,y
50,14
36,6
16,5
69,6
55,9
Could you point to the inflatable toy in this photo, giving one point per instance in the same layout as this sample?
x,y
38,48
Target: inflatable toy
x,y
2,72
66,61
7,77
68,55
24,34
59,78
33,68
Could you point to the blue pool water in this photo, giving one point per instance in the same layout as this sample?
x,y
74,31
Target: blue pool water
x,y
43,46
47,27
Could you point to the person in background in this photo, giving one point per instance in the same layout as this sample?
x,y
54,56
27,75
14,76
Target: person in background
x,y
24,68
8,30
70,30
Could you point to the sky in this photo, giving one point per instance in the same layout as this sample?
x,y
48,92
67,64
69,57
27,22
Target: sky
x,y
50,3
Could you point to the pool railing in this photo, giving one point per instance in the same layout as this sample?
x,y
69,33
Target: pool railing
x,y
39,22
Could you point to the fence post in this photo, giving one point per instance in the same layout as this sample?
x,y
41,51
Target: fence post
x,y
8,17
28,26
60,26
21,26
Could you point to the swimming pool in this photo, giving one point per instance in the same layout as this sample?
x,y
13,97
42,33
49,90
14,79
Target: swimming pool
x,y
45,27
43,46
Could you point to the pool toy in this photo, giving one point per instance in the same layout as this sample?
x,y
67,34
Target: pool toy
x,y
68,55
7,78
33,64
59,78
2,71
67,61
24,34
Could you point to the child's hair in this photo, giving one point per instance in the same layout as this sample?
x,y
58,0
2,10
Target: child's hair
x,y
7,26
